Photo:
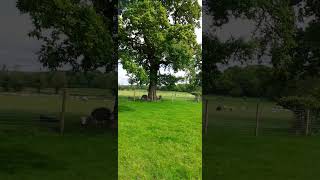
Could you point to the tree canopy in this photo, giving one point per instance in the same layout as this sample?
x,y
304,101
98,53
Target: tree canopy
x,y
282,31
77,33
158,34
74,32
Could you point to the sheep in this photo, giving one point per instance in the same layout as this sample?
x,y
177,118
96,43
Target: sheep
x,y
144,98
46,118
98,116
84,98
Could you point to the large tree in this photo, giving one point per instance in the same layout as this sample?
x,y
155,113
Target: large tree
x,y
76,33
73,32
274,34
307,53
155,34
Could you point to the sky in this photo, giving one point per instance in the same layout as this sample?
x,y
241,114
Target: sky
x,y
17,50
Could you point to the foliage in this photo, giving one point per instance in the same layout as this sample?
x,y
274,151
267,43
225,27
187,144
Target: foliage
x,y
74,32
149,40
168,81
40,81
274,35
296,102
58,81
216,52
251,81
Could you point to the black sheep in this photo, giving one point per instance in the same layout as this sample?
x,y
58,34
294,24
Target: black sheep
x,y
102,115
144,98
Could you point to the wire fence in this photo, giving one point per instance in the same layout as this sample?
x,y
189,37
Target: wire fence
x,y
140,95
28,110
256,118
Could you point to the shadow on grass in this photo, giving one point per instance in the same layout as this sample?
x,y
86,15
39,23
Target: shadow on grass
x,y
14,160
124,108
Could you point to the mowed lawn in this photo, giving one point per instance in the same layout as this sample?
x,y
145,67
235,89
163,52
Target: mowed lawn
x,y
31,150
159,140
231,151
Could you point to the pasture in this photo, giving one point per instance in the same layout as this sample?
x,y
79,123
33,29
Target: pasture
x,y
168,95
33,150
231,150
160,140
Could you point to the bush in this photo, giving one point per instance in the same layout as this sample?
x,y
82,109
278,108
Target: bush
x,y
303,108
236,92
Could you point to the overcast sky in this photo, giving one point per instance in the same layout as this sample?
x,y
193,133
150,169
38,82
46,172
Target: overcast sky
x,y
16,48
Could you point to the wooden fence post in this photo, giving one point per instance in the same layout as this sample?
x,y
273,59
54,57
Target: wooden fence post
x,y
308,122
134,94
257,120
63,110
206,117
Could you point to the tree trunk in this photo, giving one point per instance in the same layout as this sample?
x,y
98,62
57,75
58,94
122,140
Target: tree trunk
x,y
56,89
115,112
152,91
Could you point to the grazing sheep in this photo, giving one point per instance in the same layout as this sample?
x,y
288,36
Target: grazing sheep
x,y
84,98
46,118
227,108
84,121
224,108
101,116
144,98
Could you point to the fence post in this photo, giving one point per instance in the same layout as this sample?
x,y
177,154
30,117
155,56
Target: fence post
x,y
63,110
134,94
206,117
308,122
257,120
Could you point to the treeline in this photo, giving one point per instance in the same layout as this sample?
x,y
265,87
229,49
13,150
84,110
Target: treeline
x,y
168,82
177,87
17,81
257,81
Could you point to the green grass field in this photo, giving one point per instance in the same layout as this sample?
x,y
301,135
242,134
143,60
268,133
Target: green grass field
x,y
30,150
231,151
159,140
169,95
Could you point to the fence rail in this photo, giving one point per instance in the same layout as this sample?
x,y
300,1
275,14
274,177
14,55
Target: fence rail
x,y
59,112
257,118
135,95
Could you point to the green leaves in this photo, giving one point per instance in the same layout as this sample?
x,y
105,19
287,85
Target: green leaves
x,y
78,34
295,102
158,34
